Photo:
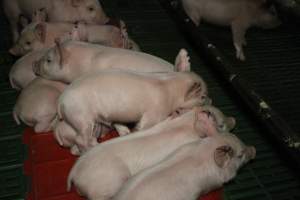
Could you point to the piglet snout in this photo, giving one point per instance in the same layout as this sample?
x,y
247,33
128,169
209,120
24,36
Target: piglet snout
x,y
251,152
206,100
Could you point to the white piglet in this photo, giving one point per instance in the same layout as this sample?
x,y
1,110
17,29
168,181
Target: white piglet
x,y
116,98
37,103
191,171
101,172
21,73
239,14
89,11
71,59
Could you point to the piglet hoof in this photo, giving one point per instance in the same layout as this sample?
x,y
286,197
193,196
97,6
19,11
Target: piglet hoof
x,y
182,61
240,56
75,150
122,130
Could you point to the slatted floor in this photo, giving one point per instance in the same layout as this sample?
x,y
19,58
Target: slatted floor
x,y
266,178
272,65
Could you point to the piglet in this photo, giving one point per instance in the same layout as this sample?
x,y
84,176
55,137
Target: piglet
x,y
36,105
38,36
106,35
116,98
42,35
239,14
69,60
21,73
89,11
192,170
102,171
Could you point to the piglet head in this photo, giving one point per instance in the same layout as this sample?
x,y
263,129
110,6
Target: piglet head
x,y
221,122
204,123
231,154
50,66
39,15
267,16
90,11
32,38
196,93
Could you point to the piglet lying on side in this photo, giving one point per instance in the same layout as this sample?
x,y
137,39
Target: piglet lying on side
x,y
37,103
71,59
42,35
21,73
89,11
102,171
115,98
191,171
239,14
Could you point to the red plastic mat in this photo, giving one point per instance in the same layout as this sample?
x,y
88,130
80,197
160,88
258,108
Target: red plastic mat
x,y
48,166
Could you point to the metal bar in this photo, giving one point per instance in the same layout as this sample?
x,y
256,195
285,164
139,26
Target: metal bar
x,y
278,128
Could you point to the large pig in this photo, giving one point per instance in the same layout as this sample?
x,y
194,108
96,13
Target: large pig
x,y
89,11
116,97
37,103
101,171
239,14
191,171
71,59
21,73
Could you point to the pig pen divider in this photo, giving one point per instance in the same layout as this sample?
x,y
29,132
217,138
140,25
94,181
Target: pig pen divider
x,y
277,127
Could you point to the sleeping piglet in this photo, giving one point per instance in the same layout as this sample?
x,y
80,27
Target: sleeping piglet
x,y
106,35
239,14
116,97
42,35
21,73
37,103
69,60
102,171
192,170
89,11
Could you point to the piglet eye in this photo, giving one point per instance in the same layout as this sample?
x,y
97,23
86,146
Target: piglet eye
x,y
28,43
221,126
91,9
48,60
240,156
207,113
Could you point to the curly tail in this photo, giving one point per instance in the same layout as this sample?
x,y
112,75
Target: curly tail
x,y
70,178
16,117
13,83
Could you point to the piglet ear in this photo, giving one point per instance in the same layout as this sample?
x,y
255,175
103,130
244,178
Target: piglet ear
x,y
23,21
63,54
182,61
194,91
223,155
79,32
231,122
39,15
40,31
199,124
75,3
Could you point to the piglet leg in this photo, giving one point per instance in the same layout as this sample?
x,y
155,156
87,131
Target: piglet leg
x,y
238,33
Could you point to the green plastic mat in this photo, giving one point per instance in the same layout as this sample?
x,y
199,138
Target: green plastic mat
x,y
267,177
